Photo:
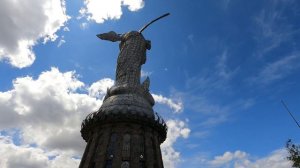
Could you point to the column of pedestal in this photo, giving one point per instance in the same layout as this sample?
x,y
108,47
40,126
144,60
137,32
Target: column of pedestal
x,y
149,149
158,151
88,158
101,155
86,151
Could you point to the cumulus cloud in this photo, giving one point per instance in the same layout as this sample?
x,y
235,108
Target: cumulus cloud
x,y
99,88
240,159
176,129
228,157
13,156
101,10
177,106
48,110
23,23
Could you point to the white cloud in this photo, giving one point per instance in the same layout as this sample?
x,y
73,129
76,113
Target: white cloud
x,y
66,28
84,25
277,69
240,159
98,89
176,129
215,79
277,159
191,38
133,5
176,106
13,156
48,110
61,41
23,23
215,119
145,73
101,10
274,27
228,157
222,69
207,111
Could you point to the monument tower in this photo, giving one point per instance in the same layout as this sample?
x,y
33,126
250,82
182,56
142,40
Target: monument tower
x,y
125,132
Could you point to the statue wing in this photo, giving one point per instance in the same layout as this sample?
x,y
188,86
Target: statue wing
x,y
110,36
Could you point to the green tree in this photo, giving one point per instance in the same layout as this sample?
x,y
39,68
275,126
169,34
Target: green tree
x,y
294,153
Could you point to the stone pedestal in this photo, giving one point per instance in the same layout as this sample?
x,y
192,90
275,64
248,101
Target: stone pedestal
x,y
124,132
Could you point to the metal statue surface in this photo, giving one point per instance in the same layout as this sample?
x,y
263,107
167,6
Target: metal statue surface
x,y
131,57
132,54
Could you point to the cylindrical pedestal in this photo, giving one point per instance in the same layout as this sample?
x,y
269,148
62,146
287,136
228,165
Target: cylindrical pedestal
x,y
124,132
123,145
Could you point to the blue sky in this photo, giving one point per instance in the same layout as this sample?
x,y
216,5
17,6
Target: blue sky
x,y
218,72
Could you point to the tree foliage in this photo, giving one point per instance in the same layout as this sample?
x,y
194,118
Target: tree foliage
x,y
294,153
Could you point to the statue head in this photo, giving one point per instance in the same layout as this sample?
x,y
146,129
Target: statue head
x,y
135,36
